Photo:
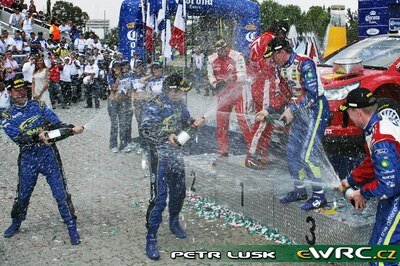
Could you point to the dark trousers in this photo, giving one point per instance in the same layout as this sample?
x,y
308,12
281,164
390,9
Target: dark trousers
x,y
92,91
55,93
117,117
66,92
76,89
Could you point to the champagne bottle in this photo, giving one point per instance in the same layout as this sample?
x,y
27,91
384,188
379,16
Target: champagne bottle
x,y
274,119
59,134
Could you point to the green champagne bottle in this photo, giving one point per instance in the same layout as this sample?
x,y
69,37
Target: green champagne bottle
x,y
59,134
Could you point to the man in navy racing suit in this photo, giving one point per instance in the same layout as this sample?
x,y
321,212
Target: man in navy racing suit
x,y
26,122
378,176
308,111
163,118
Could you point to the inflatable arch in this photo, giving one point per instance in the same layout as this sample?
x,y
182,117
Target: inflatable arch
x,y
245,12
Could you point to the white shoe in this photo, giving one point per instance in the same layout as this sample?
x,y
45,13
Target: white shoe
x,y
139,151
115,150
127,149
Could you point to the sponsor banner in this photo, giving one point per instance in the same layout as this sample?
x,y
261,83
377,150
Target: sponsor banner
x,y
296,253
131,29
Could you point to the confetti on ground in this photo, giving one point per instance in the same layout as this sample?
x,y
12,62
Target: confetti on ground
x,y
210,211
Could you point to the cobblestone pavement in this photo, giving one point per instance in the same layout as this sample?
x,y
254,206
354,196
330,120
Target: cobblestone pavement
x,y
110,196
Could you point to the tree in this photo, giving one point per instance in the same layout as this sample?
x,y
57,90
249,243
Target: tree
x,y
65,10
317,20
352,26
113,37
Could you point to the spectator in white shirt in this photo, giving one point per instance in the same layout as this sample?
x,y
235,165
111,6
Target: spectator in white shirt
x,y
65,80
197,65
10,65
75,71
79,44
26,23
95,44
16,18
9,41
91,74
64,29
89,42
28,67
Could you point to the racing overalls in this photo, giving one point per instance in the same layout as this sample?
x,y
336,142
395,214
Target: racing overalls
x,y
378,176
231,69
267,95
311,113
23,124
161,118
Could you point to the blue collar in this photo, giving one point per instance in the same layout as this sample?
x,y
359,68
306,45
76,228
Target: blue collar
x,y
374,119
290,61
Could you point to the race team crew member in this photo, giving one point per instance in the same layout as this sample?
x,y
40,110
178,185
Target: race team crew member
x,y
26,122
267,95
226,70
309,113
164,117
378,176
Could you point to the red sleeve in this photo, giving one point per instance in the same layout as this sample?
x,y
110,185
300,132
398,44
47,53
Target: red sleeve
x,y
364,172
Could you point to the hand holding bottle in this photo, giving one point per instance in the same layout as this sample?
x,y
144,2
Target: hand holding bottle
x,y
199,122
78,129
171,139
260,116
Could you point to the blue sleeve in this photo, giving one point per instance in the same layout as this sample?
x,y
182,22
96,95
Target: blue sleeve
x,y
309,78
387,171
15,134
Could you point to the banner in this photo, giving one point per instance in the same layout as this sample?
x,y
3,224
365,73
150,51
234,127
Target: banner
x,y
321,254
246,13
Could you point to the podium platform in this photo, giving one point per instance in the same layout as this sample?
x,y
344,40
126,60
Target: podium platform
x,y
256,193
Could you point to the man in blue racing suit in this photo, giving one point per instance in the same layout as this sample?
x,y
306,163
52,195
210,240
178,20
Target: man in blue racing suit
x,y
378,176
164,117
26,122
308,111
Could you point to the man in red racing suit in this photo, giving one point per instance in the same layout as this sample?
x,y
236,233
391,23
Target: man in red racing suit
x,y
227,75
268,95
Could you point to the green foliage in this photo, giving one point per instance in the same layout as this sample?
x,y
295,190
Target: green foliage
x,y
112,36
352,26
317,20
65,10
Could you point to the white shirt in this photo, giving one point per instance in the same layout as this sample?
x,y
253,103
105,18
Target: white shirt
x,y
198,61
92,69
80,45
88,42
27,71
65,74
10,63
27,25
75,67
4,99
64,29
15,19
10,42
95,45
